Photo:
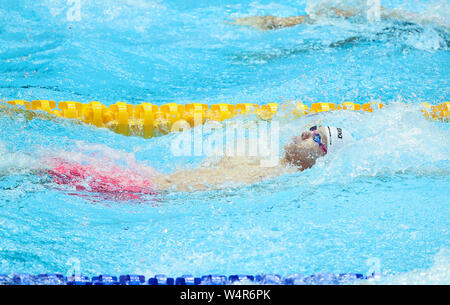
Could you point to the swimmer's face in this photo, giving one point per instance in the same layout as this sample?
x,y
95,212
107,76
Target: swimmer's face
x,y
302,151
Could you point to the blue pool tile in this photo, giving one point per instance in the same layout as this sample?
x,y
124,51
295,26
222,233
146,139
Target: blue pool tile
x,y
188,280
294,279
132,279
322,279
104,280
214,280
51,279
24,279
161,279
240,278
5,279
78,280
345,278
269,279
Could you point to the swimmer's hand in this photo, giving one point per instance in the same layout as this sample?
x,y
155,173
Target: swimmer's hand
x,y
269,22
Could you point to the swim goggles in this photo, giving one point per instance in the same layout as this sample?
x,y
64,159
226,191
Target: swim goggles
x,y
318,139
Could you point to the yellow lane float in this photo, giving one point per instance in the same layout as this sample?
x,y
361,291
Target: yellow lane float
x,y
149,120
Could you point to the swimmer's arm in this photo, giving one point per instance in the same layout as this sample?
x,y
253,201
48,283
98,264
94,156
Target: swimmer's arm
x,y
269,22
188,180
228,170
273,22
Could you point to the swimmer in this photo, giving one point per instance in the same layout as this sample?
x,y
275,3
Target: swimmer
x,y
269,22
304,150
301,153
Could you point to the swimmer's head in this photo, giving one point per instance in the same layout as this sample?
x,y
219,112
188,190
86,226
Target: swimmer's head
x,y
303,151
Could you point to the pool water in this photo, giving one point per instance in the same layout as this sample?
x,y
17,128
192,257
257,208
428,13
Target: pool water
x,y
379,205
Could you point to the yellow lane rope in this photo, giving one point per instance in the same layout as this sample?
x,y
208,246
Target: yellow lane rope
x,y
149,120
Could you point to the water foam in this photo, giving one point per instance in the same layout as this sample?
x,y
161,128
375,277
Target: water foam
x,y
395,140
437,274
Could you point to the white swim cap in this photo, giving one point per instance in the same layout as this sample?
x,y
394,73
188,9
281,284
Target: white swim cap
x,y
337,138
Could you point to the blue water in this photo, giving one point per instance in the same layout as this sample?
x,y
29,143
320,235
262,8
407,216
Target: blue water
x,y
381,204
